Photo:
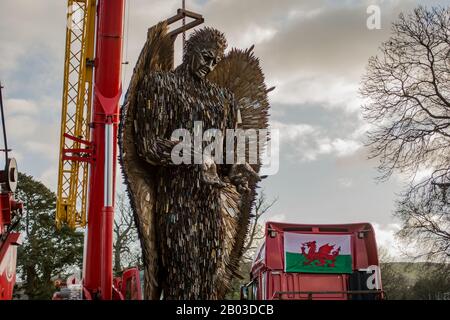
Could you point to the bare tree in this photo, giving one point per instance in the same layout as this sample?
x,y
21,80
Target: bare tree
x,y
408,92
256,234
425,214
126,245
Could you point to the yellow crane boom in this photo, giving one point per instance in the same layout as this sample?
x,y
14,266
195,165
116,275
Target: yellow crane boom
x,y
75,148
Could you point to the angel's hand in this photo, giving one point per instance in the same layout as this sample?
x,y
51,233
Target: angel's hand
x,y
241,174
209,173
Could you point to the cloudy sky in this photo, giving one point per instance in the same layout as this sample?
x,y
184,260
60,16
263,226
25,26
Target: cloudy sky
x,y
313,51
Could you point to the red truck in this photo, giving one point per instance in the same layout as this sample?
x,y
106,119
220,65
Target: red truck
x,y
316,262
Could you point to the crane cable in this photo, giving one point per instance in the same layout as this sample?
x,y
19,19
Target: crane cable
x,y
126,32
5,140
184,25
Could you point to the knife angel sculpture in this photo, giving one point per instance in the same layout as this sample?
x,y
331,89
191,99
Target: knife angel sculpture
x,y
192,219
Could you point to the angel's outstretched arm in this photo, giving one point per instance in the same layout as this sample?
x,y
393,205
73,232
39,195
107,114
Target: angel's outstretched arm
x,y
156,151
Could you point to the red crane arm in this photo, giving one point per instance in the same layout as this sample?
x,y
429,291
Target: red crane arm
x,y
98,276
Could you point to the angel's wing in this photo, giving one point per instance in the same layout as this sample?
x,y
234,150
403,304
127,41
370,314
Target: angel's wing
x,y
240,72
157,55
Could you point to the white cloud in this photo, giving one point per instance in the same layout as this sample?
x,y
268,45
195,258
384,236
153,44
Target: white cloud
x,y
33,134
50,177
255,35
46,149
344,147
304,14
291,132
25,24
345,182
308,142
21,127
20,107
360,133
385,235
278,217
410,177
422,174
329,91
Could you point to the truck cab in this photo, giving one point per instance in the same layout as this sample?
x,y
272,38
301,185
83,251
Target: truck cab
x,y
315,262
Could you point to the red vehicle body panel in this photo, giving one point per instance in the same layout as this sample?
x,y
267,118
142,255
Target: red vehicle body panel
x,y
8,259
272,282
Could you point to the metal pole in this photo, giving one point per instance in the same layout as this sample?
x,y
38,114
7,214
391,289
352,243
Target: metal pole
x,y
109,165
108,213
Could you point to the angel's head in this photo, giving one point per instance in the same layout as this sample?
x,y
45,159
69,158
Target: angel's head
x,y
203,51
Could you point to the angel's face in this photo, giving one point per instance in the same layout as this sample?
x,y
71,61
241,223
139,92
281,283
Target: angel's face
x,y
204,61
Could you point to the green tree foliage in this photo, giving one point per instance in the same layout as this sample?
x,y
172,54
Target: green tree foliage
x,y
395,283
396,277
414,281
46,253
433,283
244,272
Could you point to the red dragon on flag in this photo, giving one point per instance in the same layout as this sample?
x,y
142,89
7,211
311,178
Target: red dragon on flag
x,y
324,256
324,253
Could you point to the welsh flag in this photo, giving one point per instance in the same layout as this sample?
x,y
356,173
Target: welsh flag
x,y
312,253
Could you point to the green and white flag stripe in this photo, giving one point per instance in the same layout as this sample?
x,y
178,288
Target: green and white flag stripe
x,y
321,253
